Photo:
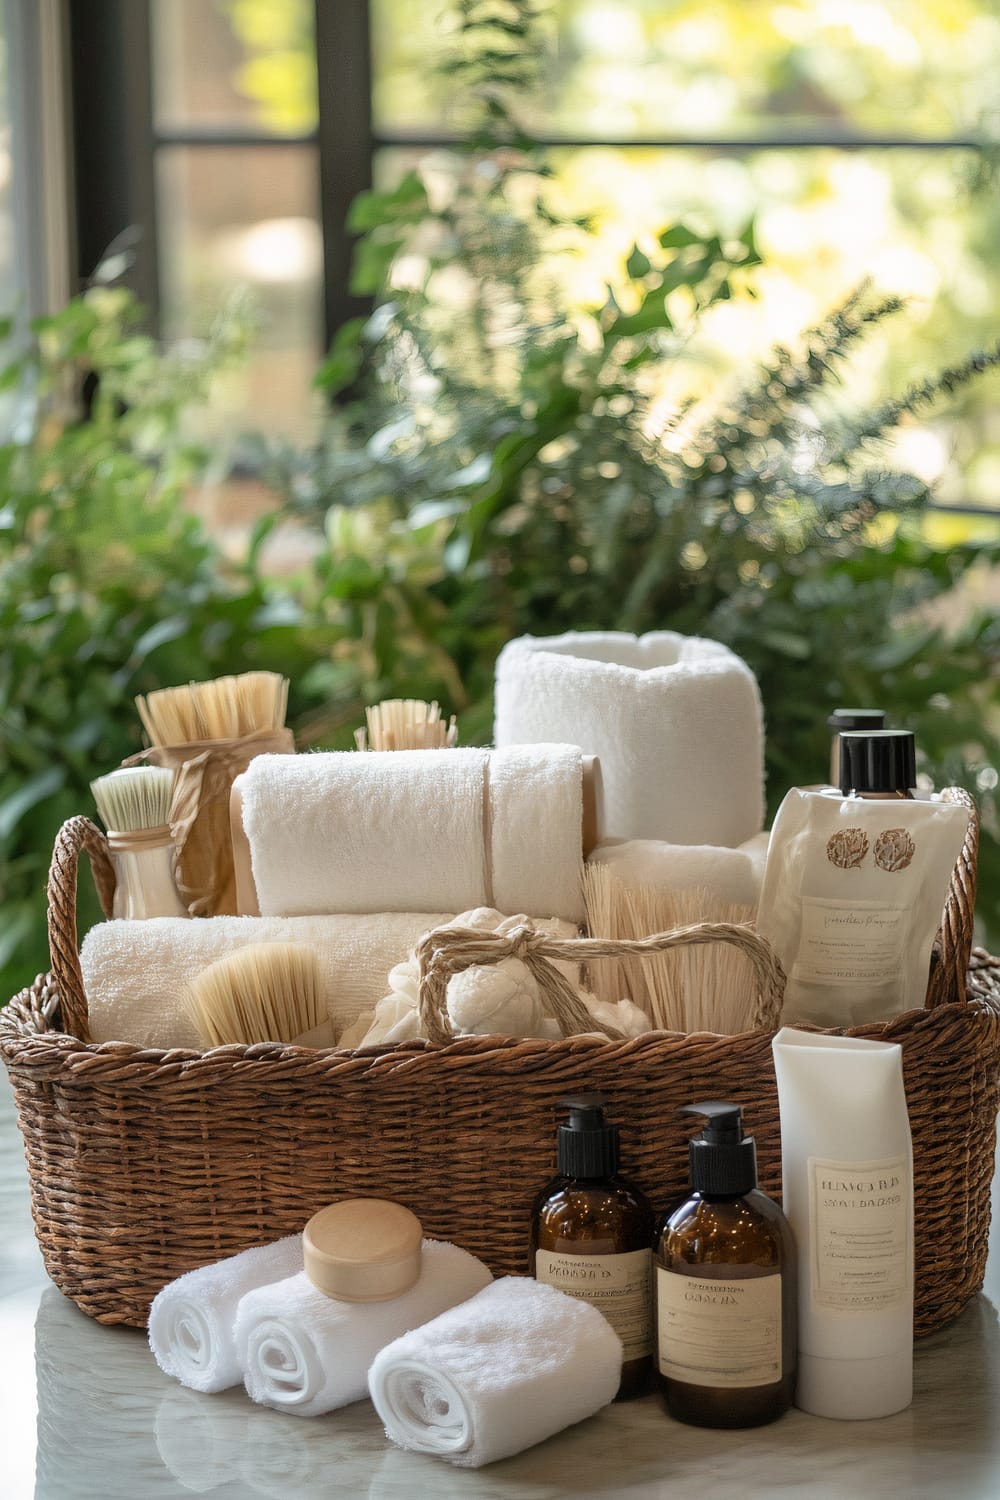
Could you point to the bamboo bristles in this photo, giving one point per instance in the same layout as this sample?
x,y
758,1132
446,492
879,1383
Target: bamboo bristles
x,y
266,992
225,708
406,724
710,987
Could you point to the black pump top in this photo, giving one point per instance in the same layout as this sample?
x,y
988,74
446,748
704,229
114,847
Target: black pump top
x,y
878,760
587,1145
723,1161
856,718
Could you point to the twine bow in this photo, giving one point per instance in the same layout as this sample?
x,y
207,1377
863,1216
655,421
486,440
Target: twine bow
x,y
448,950
199,810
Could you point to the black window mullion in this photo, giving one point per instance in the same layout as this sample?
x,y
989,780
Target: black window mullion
x,y
343,67
114,183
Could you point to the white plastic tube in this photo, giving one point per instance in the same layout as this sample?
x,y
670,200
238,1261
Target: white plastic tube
x,y
847,1190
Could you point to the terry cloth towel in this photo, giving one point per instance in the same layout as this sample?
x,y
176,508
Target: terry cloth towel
x,y
675,720
490,1378
306,1353
135,972
352,832
733,876
191,1319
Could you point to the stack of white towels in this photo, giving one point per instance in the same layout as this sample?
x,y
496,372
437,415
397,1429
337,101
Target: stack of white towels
x,y
677,725
460,1365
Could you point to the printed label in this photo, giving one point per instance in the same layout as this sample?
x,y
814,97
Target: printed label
x,y
859,1221
718,1333
619,1286
859,943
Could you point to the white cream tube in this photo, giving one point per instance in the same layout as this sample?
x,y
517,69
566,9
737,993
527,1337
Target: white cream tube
x,y
847,1190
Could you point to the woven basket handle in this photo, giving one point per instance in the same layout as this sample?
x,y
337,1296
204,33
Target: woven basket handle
x,y
76,835
953,946
448,950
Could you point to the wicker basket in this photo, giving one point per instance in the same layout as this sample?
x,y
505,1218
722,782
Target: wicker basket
x,y
146,1163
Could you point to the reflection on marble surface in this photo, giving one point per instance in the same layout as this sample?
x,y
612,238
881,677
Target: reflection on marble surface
x,y
111,1426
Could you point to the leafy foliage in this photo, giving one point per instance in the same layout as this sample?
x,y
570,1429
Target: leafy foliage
x,y
511,468
108,586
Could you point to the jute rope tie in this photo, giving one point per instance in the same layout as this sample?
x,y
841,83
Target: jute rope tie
x,y
447,951
204,771
138,839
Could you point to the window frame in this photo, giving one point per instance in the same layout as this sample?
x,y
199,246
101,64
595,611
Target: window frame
x,y
110,106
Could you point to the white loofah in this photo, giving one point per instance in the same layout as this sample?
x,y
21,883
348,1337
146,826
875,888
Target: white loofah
x,y
497,998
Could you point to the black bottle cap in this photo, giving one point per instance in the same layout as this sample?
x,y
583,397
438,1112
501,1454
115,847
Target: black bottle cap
x,y
878,760
722,1159
856,718
587,1145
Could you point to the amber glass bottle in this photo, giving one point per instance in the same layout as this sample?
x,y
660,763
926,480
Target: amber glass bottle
x,y
592,1235
725,1291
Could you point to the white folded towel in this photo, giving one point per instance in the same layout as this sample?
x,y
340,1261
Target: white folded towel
x,y
732,876
306,1353
191,1319
349,832
490,1378
135,973
675,720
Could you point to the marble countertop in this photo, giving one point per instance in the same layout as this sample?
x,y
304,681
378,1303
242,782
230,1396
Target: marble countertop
x,y
85,1414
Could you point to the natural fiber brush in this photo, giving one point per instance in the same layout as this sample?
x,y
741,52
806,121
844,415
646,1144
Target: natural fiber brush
x,y
225,708
209,732
266,992
709,987
134,804
406,724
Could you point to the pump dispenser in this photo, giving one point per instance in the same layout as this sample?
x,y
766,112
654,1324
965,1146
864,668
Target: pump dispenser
x,y
592,1232
843,721
726,1304
878,764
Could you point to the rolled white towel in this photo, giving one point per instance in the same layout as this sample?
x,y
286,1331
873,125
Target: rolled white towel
x,y
675,720
191,1319
134,973
305,1353
732,876
490,1378
348,832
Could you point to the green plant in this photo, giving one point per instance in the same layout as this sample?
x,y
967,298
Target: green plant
x,y
108,585
505,470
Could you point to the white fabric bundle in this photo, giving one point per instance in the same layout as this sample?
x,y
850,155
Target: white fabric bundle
x,y
135,972
675,720
490,1378
191,1320
353,832
502,999
306,1353
732,876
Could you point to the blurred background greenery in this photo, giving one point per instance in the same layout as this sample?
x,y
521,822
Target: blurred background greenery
x,y
604,386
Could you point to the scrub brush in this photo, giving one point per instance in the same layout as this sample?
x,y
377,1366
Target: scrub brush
x,y
134,804
406,724
265,992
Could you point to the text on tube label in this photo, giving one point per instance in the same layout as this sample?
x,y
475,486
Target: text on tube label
x,y
860,1229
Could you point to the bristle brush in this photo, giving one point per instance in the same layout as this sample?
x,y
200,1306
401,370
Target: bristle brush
x,y
265,992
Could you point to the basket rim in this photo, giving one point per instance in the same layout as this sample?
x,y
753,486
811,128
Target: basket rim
x,y
28,1041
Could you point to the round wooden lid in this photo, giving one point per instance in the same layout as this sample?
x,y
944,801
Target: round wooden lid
x,y
362,1249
